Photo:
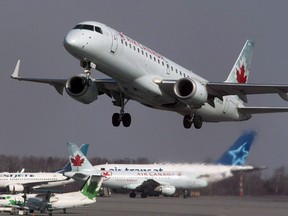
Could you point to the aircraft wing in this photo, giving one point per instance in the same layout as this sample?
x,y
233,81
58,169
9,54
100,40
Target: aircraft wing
x,y
220,89
240,89
103,85
149,184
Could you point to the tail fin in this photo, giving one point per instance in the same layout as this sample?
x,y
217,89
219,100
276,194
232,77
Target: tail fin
x,y
92,186
77,159
238,152
67,167
240,70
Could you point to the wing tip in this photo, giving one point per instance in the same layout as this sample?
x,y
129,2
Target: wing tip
x,y
15,74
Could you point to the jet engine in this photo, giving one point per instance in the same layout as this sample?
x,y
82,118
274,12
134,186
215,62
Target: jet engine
x,y
191,92
82,89
15,188
166,190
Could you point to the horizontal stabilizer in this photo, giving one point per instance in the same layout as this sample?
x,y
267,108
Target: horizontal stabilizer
x,y
262,110
247,169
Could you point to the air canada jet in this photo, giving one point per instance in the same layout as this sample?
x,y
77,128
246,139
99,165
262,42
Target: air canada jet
x,y
139,73
159,178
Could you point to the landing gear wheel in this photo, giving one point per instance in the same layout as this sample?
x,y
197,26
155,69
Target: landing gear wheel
x,y
126,119
187,121
132,194
197,120
143,195
116,119
185,195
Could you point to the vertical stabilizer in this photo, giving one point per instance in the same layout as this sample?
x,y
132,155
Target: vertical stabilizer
x,y
92,186
240,70
67,167
238,152
77,159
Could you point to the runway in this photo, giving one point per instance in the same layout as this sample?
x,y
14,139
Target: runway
x,y
122,205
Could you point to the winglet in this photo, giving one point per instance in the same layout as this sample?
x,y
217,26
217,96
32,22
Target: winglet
x,y
15,74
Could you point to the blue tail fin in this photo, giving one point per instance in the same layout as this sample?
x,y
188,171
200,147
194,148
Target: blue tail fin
x,y
238,152
67,167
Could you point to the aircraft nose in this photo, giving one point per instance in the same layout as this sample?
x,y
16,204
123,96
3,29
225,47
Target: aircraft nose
x,y
72,42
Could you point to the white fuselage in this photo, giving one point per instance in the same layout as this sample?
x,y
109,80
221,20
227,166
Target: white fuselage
x,y
70,200
181,176
137,70
35,180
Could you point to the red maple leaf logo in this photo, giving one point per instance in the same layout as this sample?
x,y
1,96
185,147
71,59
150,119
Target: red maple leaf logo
x,y
77,161
106,175
241,77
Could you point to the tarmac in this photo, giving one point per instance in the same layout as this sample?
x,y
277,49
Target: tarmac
x,y
122,205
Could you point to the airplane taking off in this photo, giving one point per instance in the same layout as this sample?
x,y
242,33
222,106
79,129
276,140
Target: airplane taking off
x,y
152,179
141,74
23,181
49,202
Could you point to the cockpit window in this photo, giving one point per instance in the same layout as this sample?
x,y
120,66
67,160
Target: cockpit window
x,y
98,29
89,27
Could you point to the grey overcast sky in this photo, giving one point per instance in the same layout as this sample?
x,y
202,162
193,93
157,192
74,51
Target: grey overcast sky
x,y
204,36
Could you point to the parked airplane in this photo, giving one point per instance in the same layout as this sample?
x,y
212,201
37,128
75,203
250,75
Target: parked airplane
x,y
141,74
21,181
49,202
150,179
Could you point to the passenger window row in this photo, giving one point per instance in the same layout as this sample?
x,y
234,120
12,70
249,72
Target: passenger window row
x,y
152,58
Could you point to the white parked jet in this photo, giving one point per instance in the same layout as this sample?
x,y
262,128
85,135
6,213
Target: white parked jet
x,y
20,181
141,74
49,202
155,178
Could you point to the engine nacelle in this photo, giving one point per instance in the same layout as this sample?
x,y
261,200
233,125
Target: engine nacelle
x,y
15,188
191,92
166,190
82,89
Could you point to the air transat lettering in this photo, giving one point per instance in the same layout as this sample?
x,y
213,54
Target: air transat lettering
x,y
125,38
136,169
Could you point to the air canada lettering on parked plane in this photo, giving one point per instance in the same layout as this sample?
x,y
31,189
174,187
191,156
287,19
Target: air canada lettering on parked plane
x,y
157,174
139,73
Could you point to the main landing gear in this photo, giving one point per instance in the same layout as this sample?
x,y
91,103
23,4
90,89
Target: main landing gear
x,y
123,117
194,119
133,194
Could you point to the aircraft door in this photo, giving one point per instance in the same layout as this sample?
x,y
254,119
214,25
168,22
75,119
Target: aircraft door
x,y
114,37
167,67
